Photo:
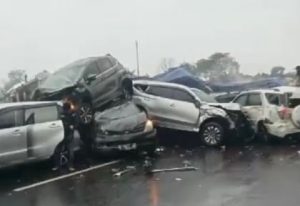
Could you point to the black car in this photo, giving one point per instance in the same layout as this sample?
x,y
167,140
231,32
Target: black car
x,y
89,83
122,128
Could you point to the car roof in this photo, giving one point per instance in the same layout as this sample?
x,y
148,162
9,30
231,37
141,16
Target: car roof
x,y
285,89
20,104
158,83
262,91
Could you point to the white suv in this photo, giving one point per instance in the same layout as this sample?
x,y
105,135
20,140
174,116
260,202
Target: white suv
x,y
267,111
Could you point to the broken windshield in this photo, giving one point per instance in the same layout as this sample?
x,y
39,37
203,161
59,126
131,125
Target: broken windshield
x,y
66,76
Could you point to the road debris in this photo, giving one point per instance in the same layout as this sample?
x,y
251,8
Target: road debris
x,y
181,155
178,179
176,169
187,163
128,169
298,152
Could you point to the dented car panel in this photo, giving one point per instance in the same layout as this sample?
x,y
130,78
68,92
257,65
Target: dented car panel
x,y
123,125
267,112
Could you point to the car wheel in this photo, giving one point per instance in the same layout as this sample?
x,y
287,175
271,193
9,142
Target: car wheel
x,y
263,134
212,134
86,113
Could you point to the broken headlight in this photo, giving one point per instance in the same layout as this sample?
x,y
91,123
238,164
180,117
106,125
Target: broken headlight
x,y
148,126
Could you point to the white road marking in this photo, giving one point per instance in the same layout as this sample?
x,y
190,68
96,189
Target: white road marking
x,y
20,189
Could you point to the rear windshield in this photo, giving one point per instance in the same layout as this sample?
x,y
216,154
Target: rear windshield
x,y
276,99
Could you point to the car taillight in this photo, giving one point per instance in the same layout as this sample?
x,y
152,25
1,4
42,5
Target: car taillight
x,y
284,113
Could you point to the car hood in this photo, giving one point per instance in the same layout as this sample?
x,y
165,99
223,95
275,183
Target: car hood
x,y
124,118
56,83
227,106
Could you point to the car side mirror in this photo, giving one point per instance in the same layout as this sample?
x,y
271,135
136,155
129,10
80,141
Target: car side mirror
x,y
90,78
197,104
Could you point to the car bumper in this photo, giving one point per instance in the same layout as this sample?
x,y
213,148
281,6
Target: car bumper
x,y
282,129
124,142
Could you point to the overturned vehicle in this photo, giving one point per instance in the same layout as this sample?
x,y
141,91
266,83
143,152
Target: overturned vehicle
x,y
178,107
88,84
122,128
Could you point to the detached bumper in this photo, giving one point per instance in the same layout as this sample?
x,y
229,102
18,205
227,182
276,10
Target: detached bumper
x,y
124,142
282,129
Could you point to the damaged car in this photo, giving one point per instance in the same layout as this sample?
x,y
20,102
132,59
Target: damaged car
x,y
178,107
269,114
89,84
123,128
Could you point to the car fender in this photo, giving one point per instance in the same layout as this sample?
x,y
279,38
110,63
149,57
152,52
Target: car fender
x,y
213,113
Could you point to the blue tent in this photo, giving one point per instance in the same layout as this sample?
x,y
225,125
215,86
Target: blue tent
x,y
181,75
241,86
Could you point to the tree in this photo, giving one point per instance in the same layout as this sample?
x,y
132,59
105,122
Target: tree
x,y
166,63
277,71
217,64
15,77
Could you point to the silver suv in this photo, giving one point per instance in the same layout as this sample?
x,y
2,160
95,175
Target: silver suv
x,y
29,131
179,107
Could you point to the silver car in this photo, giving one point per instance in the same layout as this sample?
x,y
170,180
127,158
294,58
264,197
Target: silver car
x,y
179,107
29,131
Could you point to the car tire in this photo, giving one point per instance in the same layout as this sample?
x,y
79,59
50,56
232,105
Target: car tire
x,y
263,134
212,134
86,113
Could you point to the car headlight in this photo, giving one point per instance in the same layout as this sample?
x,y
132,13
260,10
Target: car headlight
x,y
148,126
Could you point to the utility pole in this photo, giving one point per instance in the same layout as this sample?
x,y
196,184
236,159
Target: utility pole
x,y
137,58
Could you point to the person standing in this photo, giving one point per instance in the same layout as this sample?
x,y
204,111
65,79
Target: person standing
x,y
65,152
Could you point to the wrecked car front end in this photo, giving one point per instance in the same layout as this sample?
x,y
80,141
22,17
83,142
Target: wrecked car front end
x,y
123,128
239,125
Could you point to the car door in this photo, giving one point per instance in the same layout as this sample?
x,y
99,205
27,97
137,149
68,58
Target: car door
x,y
45,130
106,85
13,141
252,105
184,113
92,86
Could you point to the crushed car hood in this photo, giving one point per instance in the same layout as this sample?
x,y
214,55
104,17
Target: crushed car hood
x,y
227,106
124,118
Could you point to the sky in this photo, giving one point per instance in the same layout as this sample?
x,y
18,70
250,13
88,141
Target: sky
x,y
38,35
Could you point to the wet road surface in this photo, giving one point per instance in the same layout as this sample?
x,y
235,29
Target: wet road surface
x,y
234,175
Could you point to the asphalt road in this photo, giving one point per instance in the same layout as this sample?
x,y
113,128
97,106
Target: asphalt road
x,y
245,175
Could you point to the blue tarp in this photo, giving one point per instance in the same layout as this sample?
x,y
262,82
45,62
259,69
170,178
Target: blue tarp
x,y
181,75
241,86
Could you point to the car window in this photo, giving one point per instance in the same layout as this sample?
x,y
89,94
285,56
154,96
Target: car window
x,y
10,119
160,91
104,64
41,115
254,100
276,99
92,70
241,100
182,95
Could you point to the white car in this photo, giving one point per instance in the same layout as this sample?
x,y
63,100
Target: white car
x,y
267,111
178,107
29,131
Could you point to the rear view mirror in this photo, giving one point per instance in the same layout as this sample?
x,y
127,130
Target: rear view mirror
x,y
90,78
197,104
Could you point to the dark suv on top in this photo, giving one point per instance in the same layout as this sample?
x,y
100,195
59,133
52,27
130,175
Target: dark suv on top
x,y
89,84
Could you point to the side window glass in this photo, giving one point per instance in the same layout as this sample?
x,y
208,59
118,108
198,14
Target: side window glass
x,y
8,119
182,95
91,70
241,100
254,100
41,115
104,64
159,91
